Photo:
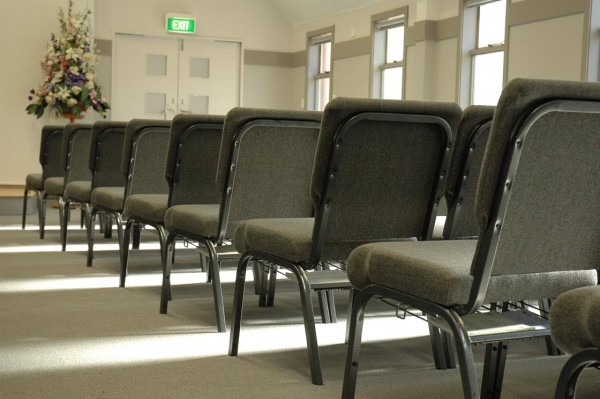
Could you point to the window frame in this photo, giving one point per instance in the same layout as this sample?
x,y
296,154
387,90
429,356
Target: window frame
x,y
469,49
314,40
380,24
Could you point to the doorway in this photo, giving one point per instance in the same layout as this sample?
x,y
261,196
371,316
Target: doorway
x,y
160,77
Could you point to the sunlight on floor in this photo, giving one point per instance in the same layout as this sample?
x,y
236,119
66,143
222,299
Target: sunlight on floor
x,y
71,354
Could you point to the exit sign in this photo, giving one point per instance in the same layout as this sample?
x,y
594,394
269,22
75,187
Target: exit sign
x,y
179,24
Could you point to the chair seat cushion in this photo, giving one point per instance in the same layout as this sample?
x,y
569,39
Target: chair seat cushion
x,y
200,220
33,181
108,198
289,239
54,186
80,191
146,207
575,319
417,268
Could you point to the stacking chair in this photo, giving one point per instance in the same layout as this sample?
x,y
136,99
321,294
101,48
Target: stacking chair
x,y
465,165
74,155
375,177
191,165
263,171
575,327
50,148
142,167
535,241
104,163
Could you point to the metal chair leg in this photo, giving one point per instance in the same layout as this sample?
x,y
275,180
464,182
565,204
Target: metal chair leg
x,y
25,197
63,214
42,217
90,235
314,357
137,233
125,252
493,370
356,320
214,266
165,293
567,382
238,304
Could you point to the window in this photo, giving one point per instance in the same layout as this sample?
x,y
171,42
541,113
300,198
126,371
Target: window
x,y
388,55
319,70
484,23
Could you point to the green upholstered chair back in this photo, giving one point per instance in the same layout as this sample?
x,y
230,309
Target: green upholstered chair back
x,y
265,164
463,174
75,152
50,151
537,203
192,159
378,170
144,156
106,149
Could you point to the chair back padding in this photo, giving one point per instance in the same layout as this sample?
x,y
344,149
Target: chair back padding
x,y
378,169
537,202
106,150
192,159
265,164
463,174
144,156
50,151
75,152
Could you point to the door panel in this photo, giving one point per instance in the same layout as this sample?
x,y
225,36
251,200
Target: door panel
x,y
209,76
144,78
158,77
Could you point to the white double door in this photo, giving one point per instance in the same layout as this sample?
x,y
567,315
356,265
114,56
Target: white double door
x,y
159,77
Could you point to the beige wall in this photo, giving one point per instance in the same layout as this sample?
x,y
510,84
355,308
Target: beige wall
x,y
22,48
349,77
551,47
548,49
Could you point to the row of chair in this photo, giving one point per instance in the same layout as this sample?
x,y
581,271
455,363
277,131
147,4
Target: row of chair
x,y
362,182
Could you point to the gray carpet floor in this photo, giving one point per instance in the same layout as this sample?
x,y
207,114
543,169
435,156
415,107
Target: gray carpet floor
x,y
68,331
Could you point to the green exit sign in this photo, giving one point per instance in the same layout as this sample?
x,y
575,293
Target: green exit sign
x,y
178,24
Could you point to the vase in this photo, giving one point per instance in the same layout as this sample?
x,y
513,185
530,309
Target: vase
x,y
71,117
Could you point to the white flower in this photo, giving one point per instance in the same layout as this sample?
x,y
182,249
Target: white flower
x,y
90,85
74,70
89,76
71,102
49,99
76,90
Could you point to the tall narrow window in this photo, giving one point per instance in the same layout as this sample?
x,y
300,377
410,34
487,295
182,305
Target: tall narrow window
x,y
388,54
319,70
486,21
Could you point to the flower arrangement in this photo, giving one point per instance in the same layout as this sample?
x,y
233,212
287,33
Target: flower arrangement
x,y
69,88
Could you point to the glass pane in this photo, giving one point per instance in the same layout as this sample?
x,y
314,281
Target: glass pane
x,y
394,44
321,93
156,64
392,83
325,57
199,67
492,17
155,103
199,104
487,78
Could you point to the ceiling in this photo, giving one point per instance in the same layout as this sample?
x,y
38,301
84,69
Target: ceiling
x,y
305,10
